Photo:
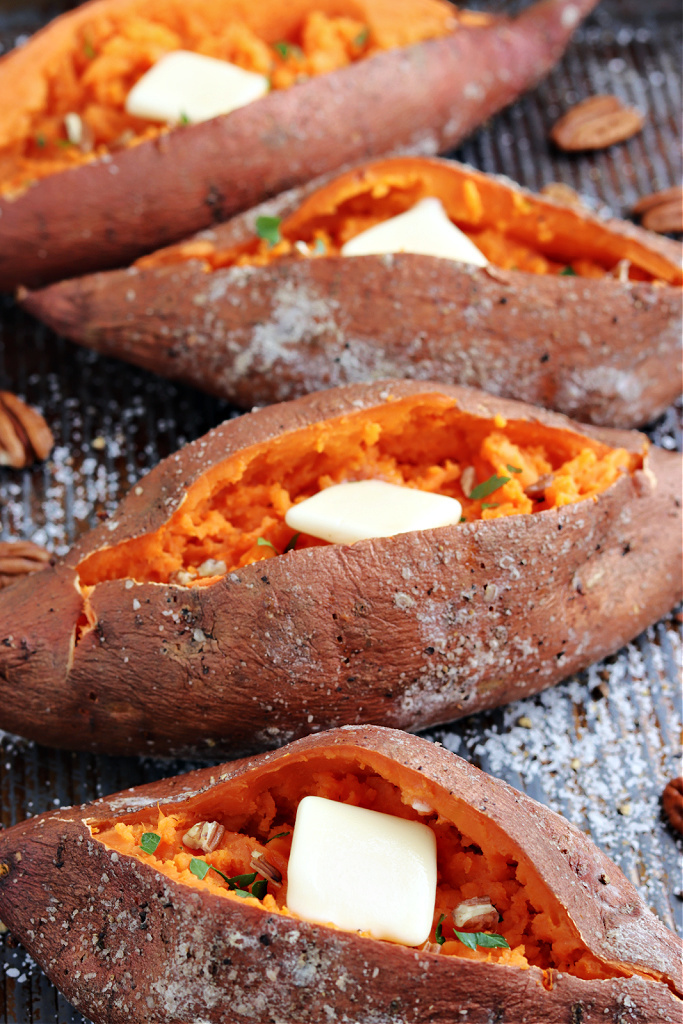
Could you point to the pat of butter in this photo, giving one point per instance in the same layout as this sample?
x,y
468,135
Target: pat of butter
x,y
362,871
188,86
425,229
345,513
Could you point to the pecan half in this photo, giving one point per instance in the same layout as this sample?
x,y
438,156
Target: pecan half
x,y
596,123
672,802
661,211
475,915
468,480
205,835
19,558
24,434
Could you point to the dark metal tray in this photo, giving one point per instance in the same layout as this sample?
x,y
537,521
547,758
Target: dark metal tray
x,y
598,748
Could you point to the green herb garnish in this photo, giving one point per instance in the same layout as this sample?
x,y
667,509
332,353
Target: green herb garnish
x,y
291,544
259,889
513,469
239,884
280,835
40,140
362,37
184,119
287,50
490,504
463,519
319,245
268,228
439,934
488,487
263,542
568,272
89,50
149,842
64,143
486,940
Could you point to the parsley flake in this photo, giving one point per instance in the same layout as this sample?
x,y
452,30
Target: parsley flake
x,y
568,272
463,519
280,835
89,50
362,37
513,469
259,889
490,504
439,934
487,940
263,542
268,228
291,544
40,140
149,842
320,246
287,50
184,119
488,487
199,867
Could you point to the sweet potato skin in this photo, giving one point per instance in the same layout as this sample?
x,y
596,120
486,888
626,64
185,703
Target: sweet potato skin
x,y
144,944
601,351
425,98
405,631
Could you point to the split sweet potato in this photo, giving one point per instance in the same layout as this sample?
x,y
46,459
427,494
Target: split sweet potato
x,y
130,935
187,623
351,79
572,313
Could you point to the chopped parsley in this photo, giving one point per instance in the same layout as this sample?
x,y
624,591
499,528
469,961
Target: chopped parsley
x,y
362,37
513,469
488,487
439,934
490,504
568,272
287,50
149,842
487,940
320,245
184,119
89,50
463,519
291,544
268,228
238,884
280,835
40,140
263,542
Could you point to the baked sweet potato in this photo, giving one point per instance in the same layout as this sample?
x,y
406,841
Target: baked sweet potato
x,y
130,935
431,75
178,626
572,313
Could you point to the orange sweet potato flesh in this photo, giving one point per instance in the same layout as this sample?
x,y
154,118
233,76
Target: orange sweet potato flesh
x,y
143,928
95,59
424,76
515,230
425,443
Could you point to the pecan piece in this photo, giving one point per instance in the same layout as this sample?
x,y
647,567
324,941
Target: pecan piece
x,y
672,802
536,490
19,558
468,480
475,915
205,835
661,211
24,434
596,123
265,868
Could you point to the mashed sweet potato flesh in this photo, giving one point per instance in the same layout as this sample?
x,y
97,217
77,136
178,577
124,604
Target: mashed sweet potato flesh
x,y
87,63
475,858
425,442
513,230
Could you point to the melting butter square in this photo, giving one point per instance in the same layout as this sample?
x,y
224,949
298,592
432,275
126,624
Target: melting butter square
x,y
345,513
189,86
424,229
362,871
